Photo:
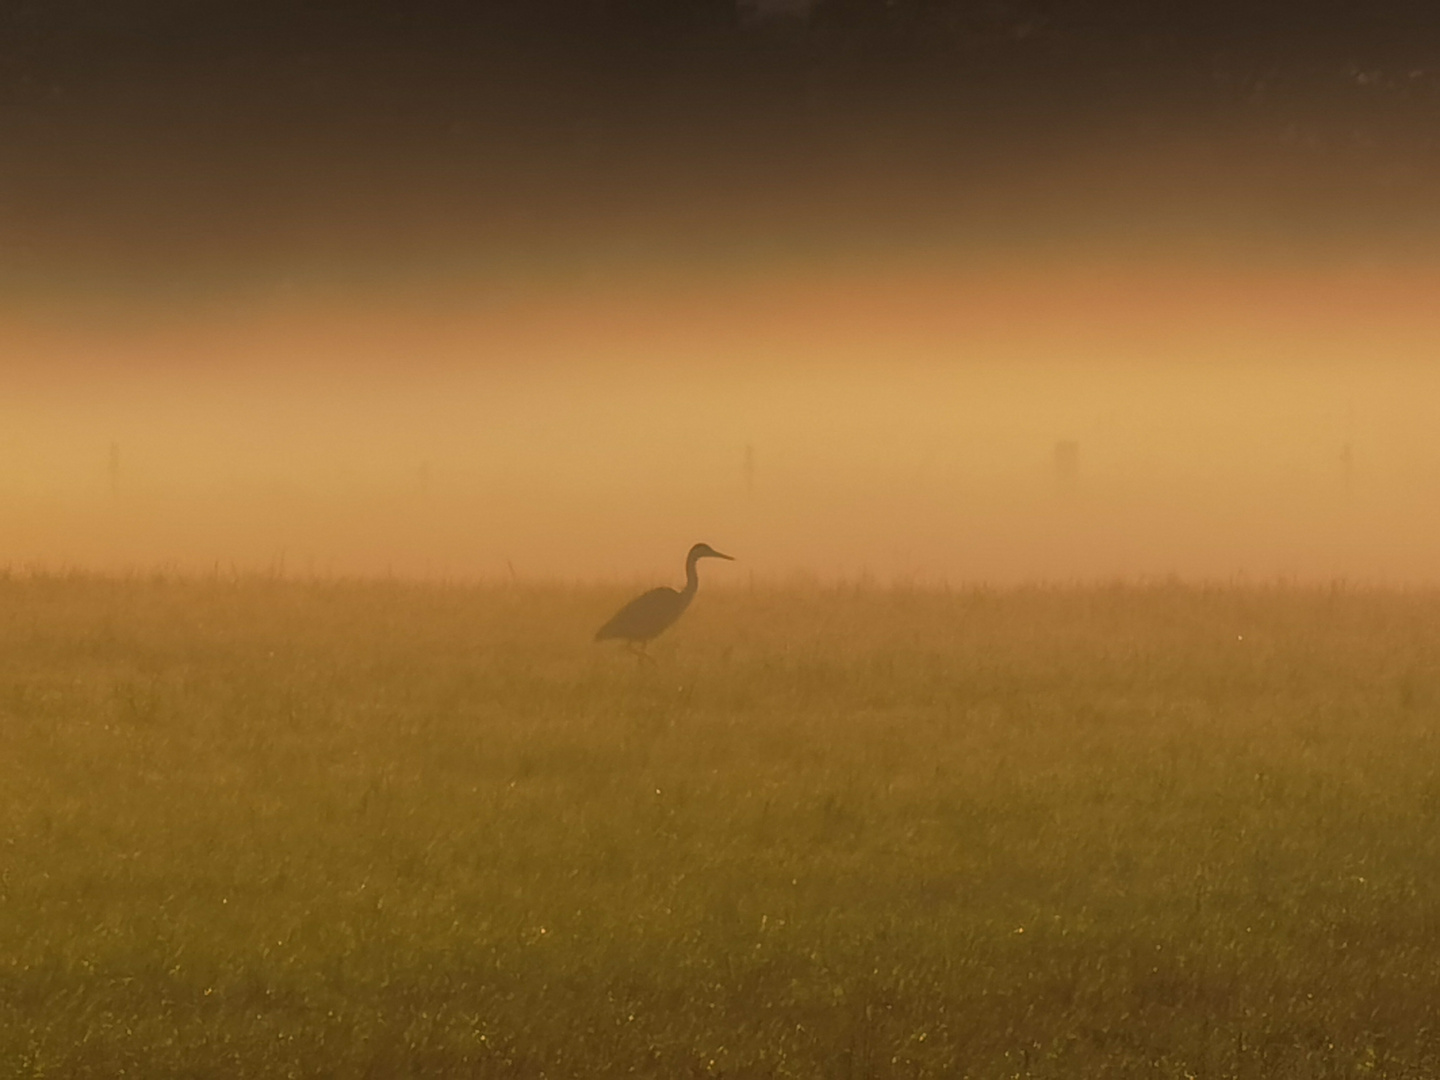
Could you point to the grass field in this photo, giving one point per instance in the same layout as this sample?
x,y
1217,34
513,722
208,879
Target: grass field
x,y
280,829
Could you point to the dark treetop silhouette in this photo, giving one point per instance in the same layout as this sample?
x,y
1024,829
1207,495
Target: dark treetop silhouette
x,y
651,613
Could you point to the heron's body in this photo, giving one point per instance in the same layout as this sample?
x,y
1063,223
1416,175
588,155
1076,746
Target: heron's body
x,y
653,612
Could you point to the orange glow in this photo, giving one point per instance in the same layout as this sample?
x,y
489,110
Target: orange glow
x,y
1229,416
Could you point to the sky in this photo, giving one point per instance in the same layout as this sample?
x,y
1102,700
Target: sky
x,y
943,291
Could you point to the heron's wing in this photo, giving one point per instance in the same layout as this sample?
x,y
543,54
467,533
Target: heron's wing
x,y
643,617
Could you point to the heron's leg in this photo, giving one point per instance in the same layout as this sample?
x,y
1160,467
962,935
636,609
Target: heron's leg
x,y
640,654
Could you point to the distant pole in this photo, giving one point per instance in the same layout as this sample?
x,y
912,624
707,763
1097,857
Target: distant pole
x,y
1347,451
114,469
1067,465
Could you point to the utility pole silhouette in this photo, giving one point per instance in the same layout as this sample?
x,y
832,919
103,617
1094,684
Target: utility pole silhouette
x,y
1067,465
114,470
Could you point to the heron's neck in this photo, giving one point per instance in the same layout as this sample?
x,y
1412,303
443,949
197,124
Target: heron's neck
x,y
692,579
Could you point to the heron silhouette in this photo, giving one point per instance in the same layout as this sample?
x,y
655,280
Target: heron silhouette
x,y
651,613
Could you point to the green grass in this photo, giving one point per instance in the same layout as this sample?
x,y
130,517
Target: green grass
x,y
275,829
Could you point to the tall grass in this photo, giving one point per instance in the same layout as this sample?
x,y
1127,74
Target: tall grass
x,y
276,829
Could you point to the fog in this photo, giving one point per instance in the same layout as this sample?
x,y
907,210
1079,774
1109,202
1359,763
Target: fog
x,y
924,292
925,420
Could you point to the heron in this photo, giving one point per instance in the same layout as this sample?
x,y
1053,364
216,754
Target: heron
x,y
651,613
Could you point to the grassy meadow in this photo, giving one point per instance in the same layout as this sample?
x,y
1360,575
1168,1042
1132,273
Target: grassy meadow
x,y
271,828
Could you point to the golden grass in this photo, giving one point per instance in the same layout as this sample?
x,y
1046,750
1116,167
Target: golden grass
x,y
269,828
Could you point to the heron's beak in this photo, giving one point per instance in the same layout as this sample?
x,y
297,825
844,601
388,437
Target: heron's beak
x,y
718,555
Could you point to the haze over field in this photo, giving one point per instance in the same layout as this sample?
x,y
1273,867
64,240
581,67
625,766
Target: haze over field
x,y
907,423
1034,291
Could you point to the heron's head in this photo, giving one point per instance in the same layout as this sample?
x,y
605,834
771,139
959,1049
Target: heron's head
x,y
705,551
